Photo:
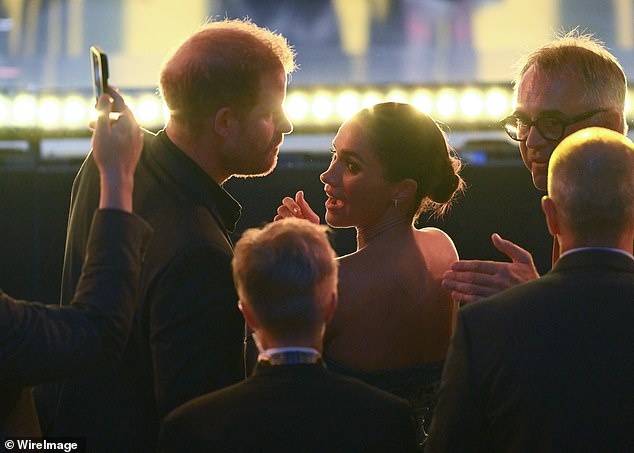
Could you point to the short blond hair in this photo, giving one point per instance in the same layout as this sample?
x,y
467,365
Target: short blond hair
x,y
285,271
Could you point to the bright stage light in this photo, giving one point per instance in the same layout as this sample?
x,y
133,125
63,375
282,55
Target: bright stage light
x,y
25,110
149,111
50,112
297,107
75,112
497,103
322,106
396,95
423,101
369,98
307,108
471,103
347,104
446,103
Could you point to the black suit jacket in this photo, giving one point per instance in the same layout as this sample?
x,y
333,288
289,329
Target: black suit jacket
x,y
40,343
188,332
284,408
544,367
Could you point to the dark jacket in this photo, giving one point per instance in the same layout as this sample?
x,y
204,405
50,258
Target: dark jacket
x,y
544,367
188,332
40,343
284,408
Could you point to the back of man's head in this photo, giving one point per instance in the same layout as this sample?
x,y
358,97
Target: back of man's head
x,y
287,273
578,55
591,181
218,66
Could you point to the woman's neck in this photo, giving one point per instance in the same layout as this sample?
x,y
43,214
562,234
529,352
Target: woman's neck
x,y
384,228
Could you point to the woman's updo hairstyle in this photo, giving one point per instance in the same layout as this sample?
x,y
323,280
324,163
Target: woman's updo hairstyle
x,y
409,144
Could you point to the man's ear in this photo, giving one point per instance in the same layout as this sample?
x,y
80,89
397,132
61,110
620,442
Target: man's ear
x,y
613,119
552,219
331,307
224,121
249,316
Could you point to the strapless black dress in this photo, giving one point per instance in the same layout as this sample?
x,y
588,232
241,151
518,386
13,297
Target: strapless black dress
x,y
418,384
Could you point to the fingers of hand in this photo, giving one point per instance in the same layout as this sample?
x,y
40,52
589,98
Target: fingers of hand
x,y
469,292
477,266
513,251
118,104
467,277
103,110
487,277
283,212
479,278
462,298
126,124
307,211
292,206
302,203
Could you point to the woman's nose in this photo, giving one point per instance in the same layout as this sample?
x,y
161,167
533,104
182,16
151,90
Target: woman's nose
x,y
327,177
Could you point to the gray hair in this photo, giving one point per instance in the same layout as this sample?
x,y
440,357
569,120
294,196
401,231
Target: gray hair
x,y
583,56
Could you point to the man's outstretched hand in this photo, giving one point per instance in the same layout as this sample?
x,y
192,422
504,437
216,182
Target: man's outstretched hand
x,y
471,280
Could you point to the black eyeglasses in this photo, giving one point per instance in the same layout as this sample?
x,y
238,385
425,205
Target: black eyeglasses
x,y
549,127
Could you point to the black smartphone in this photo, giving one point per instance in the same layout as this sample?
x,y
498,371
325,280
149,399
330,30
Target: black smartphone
x,y
99,67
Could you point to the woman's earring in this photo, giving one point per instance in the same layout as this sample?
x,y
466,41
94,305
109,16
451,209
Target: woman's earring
x,y
396,203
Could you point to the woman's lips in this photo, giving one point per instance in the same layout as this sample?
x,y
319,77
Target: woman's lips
x,y
333,203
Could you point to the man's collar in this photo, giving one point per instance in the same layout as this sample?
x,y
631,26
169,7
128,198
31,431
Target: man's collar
x,y
605,249
289,356
193,179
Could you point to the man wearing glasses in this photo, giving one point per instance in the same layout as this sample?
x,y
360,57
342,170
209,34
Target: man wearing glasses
x,y
562,87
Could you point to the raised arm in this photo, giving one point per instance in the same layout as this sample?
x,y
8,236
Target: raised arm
x,y
42,342
116,148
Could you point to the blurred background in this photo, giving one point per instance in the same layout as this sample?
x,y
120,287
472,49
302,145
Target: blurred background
x,y
452,58
44,43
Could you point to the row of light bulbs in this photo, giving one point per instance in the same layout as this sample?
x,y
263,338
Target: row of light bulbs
x,y
307,108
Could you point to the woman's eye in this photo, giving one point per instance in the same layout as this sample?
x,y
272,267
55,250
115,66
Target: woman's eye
x,y
352,167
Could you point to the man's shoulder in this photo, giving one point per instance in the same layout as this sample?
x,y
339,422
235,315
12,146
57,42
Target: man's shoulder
x,y
224,404
323,385
310,402
535,307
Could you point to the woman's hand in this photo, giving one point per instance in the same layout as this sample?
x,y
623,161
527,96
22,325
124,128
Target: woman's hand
x,y
296,208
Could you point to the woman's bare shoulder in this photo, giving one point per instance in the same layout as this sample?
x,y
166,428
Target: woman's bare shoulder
x,y
437,247
436,237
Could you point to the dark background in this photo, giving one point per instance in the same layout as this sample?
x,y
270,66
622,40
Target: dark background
x,y
34,201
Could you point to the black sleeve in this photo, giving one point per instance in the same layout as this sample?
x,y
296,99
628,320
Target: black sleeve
x,y
40,342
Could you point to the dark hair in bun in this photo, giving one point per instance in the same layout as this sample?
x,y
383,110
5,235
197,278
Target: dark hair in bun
x,y
409,144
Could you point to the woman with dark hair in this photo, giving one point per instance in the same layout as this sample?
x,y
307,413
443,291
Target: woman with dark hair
x,y
394,321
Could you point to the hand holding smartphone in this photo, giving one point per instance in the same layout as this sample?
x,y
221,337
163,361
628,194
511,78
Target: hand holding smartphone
x,y
99,67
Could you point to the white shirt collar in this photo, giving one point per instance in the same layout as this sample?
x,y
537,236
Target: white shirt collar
x,y
272,351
